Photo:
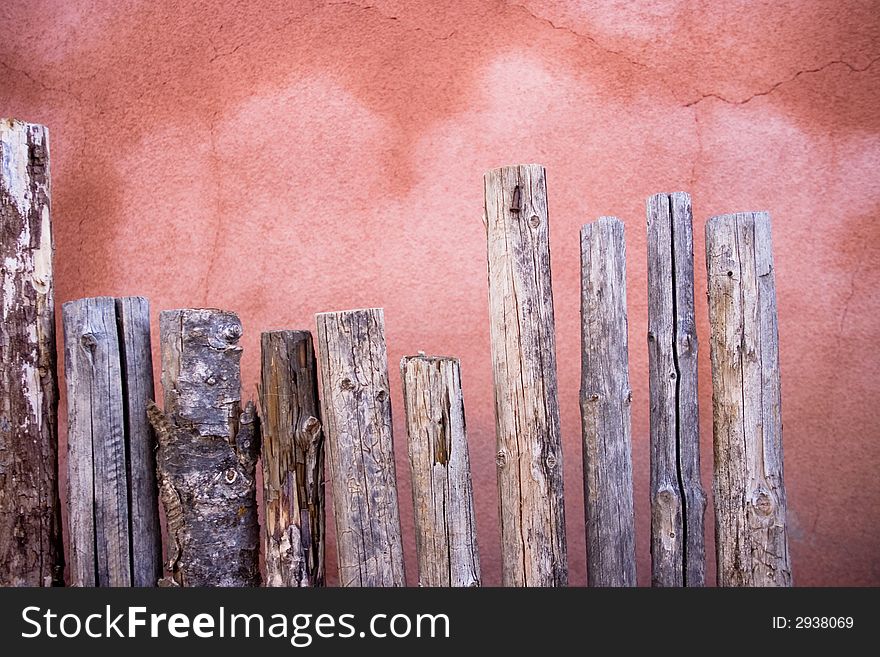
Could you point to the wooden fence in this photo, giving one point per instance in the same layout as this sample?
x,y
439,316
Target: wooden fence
x,y
198,454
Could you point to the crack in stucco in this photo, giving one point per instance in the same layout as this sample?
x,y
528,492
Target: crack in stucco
x,y
578,35
777,85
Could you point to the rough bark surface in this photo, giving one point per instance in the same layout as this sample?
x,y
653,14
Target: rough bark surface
x,y
749,491
443,500
677,498
529,447
357,422
208,449
30,513
293,461
606,399
133,324
100,545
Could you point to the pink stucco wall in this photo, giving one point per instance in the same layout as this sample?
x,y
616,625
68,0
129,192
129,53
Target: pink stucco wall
x,y
284,158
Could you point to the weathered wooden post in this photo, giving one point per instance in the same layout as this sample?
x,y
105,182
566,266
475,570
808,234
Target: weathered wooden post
x,y
749,491
115,537
446,537
208,449
677,498
293,461
605,406
30,513
357,423
529,447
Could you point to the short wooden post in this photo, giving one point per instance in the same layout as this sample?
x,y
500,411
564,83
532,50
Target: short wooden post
x,y
749,491
208,449
293,461
30,513
114,519
529,447
605,406
357,422
677,498
446,538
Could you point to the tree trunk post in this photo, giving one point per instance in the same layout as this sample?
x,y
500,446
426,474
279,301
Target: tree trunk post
x,y
677,498
30,512
749,491
115,537
357,422
606,399
293,460
208,449
529,447
443,499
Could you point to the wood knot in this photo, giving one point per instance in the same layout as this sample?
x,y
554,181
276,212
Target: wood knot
x,y
535,221
651,336
501,458
89,341
381,396
346,384
763,504
230,475
551,461
232,332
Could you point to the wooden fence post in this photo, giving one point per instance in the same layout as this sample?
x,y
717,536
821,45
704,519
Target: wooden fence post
x,y
293,461
443,499
30,513
114,520
677,498
749,491
208,449
529,447
605,406
357,422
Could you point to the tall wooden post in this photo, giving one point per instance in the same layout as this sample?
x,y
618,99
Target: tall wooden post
x,y
30,513
208,449
443,499
749,491
677,498
357,421
293,461
605,406
529,446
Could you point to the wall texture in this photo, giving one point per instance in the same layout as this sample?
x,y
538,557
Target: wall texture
x,y
283,158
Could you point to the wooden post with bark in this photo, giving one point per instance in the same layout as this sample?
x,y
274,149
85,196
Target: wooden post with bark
x,y
677,498
749,491
606,399
443,500
529,447
293,461
357,423
115,537
30,513
207,455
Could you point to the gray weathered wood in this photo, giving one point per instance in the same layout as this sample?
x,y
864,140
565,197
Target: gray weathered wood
x,y
133,323
357,422
208,448
100,548
446,533
30,513
293,461
749,491
529,447
677,498
605,406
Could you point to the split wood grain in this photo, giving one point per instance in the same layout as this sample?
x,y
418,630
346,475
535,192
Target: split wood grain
x,y
133,325
605,401
30,512
357,423
100,545
293,460
749,490
207,454
523,345
443,499
677,499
